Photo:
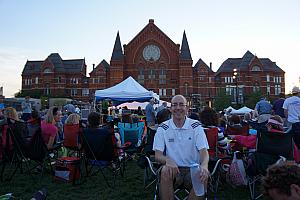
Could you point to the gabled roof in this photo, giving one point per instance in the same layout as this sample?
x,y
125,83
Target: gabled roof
x,y
64,66
151,25
185,53
105,64
246,59
56,60
117,53
102,63
269,65
200,62
243,63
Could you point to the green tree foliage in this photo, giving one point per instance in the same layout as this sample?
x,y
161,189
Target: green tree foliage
x,y
222,100
252,98
32,93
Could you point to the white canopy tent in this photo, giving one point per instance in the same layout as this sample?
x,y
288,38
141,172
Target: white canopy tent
x,y
134,105
229,108
242,110
128,90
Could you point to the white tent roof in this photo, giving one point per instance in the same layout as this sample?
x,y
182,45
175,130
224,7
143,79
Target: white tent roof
x,y
232,109
127,90
242,110
135,105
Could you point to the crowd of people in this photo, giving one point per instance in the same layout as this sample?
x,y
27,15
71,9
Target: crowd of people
x,y
180,139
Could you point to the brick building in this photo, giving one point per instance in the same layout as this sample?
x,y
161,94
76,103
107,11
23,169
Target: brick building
x,y
253,74
160,65
56,77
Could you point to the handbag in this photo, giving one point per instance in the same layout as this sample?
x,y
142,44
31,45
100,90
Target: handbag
x,y
236,173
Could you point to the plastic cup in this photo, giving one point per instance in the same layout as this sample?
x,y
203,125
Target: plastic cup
x,y
198,187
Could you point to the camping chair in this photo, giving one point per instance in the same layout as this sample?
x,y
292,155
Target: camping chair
x,y
71,139
99,152
6,148
25,150
152,169
180,193
147,153
32,128
270,147
217,160
131,132
236,130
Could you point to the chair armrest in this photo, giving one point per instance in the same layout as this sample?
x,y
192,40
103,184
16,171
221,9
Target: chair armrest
x,y
126,145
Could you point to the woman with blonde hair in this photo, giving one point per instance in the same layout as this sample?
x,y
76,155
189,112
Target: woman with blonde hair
x,y
73,119
11,113
49,130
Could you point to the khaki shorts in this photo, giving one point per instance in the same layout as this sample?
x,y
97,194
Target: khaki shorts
x,y
182,179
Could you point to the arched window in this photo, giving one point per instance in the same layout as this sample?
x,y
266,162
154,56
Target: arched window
x,y
47,70
255,68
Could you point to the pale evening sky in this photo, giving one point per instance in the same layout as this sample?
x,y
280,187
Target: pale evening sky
x,y
215,29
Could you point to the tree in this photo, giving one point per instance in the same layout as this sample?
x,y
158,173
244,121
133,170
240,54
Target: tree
x,y
32,93
252,98
222,100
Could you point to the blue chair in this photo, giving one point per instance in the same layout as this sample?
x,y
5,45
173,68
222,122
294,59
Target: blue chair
x,y
132,133
99,154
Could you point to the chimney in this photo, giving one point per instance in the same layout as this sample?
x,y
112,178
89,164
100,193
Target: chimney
x,y
93,66
210,65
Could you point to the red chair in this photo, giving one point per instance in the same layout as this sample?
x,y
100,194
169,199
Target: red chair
x,y
212,139
237,130
72,133
216,159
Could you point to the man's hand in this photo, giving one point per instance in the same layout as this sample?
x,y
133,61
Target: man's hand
x,y
171,167
204,174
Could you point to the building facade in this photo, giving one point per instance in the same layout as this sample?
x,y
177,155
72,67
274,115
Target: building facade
x,y
252,74
56,77
160,65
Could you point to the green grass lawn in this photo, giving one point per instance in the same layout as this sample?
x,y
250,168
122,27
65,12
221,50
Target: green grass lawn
x,y
130,187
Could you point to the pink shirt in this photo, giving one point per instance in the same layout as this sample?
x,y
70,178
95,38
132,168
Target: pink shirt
x,y
48,130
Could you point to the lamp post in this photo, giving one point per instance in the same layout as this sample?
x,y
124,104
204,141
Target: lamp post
x,y
235,75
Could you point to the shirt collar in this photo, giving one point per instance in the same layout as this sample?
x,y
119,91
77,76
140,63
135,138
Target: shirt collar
x,y
185,125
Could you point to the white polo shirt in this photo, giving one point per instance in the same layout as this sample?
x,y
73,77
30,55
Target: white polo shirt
x,y
292,105
181,144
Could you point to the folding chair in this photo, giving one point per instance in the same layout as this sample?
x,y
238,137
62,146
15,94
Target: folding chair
x,y
131,132
180,193
216,159
71,139
270,147
32,128
233,130
25,150
98,148
147,153
6,148
150,170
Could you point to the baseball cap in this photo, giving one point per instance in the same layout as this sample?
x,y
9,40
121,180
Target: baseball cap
x,y
295,89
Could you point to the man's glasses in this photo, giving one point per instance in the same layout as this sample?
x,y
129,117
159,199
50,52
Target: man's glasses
x,y
181,105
